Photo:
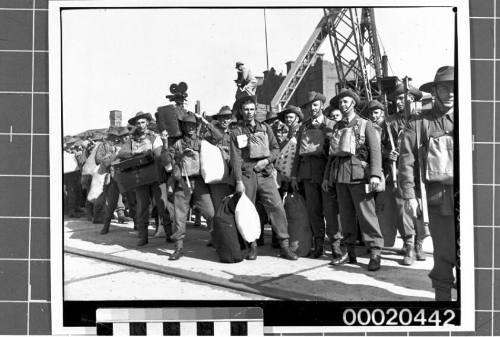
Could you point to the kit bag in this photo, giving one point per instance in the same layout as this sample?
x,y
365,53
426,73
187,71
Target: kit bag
x,y
100,177
439,166
299,228
90,164
226,239
214,168
167,118
247,219
284,163
312,142
345,141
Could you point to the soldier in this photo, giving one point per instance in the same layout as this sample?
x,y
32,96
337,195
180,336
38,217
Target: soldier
x,y
246,81
253,150
411,229
222,121
105,155
144,141
429,134
72,181
292,117
375,111
190,185
309,167
352,166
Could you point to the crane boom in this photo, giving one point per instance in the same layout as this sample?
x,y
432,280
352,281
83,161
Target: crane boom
x,y
355,48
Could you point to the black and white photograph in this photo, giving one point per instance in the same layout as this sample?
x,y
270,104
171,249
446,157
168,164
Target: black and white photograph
x,y
264,155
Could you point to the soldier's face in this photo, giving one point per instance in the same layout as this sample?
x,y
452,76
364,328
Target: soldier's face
x,y
248,110
141,125
376,115
336,115
189,128
400,101
290,118
444,94
315,107
225,121
346,104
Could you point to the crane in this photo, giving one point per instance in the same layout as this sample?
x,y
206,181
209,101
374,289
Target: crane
x,y
355,47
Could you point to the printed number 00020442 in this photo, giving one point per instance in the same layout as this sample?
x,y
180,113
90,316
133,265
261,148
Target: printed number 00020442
x,y
398,317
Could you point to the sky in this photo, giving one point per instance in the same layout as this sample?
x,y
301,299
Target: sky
x,y
126,59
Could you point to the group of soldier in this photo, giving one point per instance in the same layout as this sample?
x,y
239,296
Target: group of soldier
x,y
344,183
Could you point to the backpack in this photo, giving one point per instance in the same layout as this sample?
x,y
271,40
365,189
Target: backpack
x,y
346,141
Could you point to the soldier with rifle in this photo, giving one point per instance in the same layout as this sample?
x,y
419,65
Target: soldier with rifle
x,y
411,229
426,173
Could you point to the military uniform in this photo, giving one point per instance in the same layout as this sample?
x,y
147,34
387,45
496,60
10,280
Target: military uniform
x,y
199,191
321,205
147,142
440,196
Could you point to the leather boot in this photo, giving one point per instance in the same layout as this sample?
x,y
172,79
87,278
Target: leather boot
x,y
339,256
122,218
252,253
105,228
419,251
178,253
351,252
286,252
318,248
409,255
374,263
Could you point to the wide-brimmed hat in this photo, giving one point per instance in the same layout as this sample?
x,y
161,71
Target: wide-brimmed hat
x,y
239,63
314,96
400,89
140,115
373,105
443,75
291,109
237,104
334,102
118,131
70,140
224,111
188,118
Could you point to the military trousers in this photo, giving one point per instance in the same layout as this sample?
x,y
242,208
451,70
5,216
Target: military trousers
x,y
356,206
143,200
111,197
264,187
442,228
322,206
201,199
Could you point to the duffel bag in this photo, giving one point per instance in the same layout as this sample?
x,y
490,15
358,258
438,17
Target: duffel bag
x,y
214,168
226,239
247,219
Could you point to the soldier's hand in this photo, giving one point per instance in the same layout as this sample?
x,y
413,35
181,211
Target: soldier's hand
x,y
411,206
295,184
390,154
240,187
374,182
324,185
261,164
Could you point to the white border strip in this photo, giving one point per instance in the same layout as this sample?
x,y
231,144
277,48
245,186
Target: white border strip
x,y
466,230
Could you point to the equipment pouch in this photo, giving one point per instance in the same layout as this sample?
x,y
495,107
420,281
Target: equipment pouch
x,y
312,142
190,163
343,143
258,145
439,164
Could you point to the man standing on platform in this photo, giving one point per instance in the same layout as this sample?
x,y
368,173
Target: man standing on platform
x,y
430,136
253,151
353,165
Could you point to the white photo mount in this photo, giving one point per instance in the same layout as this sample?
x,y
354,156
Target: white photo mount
x,y
56,100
